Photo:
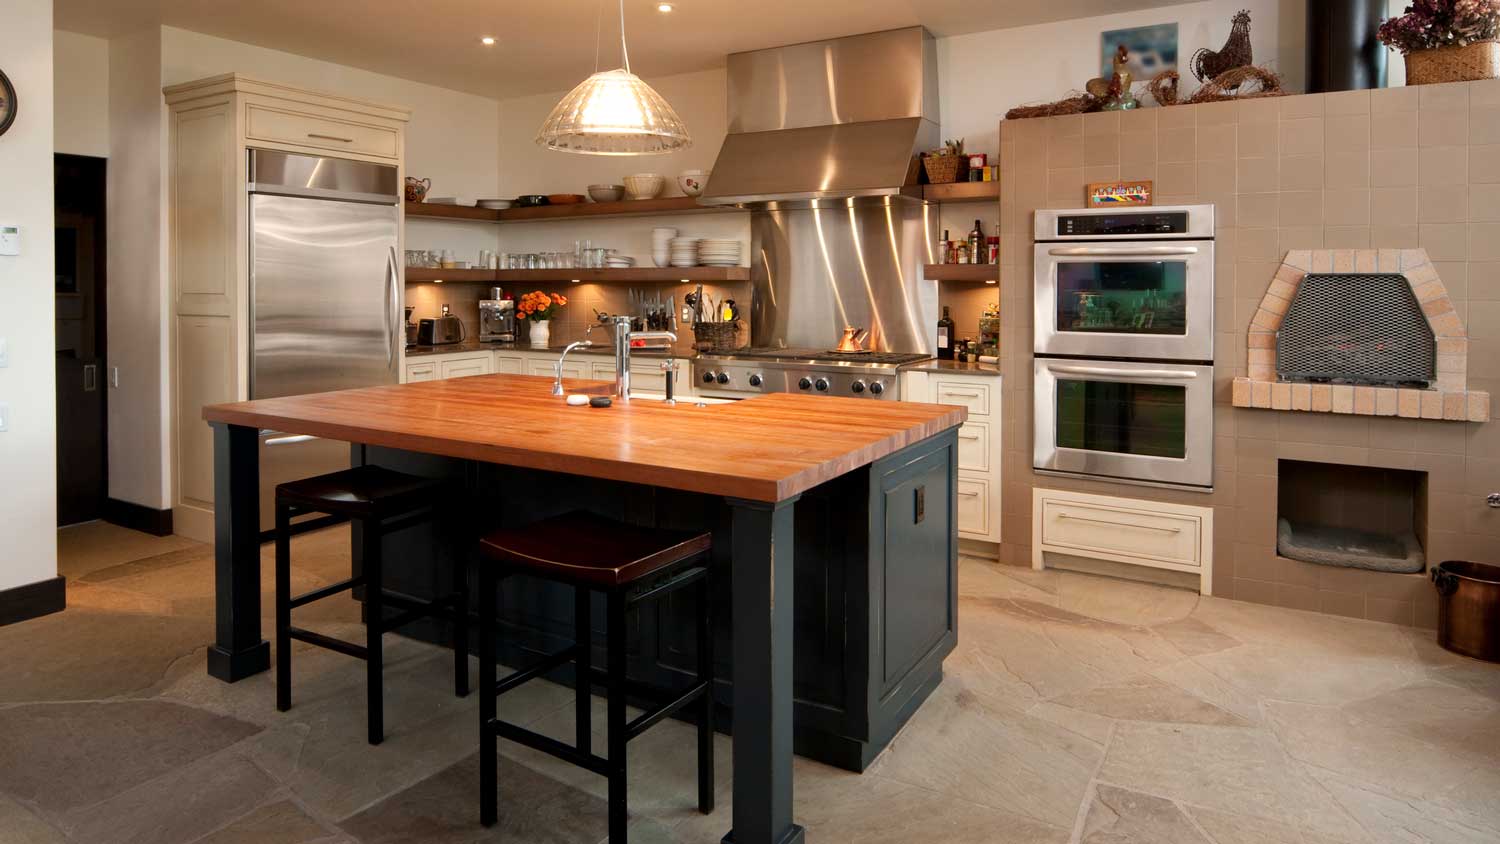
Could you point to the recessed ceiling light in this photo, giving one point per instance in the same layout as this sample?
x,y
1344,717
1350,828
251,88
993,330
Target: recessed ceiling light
x,y
488,40
664,7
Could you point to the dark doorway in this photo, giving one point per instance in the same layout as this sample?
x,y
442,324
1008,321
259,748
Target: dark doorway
x,y
82,456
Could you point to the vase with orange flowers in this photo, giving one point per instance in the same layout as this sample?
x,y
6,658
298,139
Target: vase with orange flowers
x,y
539,309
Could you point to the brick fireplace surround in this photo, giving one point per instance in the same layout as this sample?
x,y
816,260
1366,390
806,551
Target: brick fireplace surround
x,y
1392,169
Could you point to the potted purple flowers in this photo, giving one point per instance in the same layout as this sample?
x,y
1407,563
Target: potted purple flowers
x,y
1447,40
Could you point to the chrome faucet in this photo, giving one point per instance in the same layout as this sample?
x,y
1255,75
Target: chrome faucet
x,y
623,337
557,388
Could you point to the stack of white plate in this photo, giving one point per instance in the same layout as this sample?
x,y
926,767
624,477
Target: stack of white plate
x,y
661,244
719,253
685,251
618,261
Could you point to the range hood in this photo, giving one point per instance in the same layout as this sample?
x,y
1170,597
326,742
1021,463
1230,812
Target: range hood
x,y
835,119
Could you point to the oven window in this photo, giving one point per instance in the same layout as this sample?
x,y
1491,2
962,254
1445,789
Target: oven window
x,y
1124,297
1141,419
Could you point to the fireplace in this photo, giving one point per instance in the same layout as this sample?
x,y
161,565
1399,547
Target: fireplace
x,y
1356,328
1351,516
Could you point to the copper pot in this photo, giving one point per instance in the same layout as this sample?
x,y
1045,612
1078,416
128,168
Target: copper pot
x,y
853,340
1468,608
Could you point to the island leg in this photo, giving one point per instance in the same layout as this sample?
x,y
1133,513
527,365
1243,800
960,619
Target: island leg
x,y
761,575
238,650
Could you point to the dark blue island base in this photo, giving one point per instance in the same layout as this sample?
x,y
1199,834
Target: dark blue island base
x,y
875,585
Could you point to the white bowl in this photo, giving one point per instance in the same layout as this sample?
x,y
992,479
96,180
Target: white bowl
x,y
496,204
606,193
644,185
692,181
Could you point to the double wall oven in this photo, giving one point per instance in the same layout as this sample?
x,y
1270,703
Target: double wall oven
x,y
1123,344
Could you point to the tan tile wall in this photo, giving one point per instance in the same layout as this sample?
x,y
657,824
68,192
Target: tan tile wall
x,y
1396,168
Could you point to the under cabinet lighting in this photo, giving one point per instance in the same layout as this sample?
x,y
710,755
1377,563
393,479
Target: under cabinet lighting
x,y
488,40
664,7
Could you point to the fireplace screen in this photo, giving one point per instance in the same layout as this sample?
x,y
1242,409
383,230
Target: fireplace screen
x,y
1364,328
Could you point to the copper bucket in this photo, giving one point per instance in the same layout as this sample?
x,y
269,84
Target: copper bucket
x,y
1468,608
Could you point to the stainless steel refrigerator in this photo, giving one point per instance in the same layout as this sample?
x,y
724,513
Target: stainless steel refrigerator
x,y
325,293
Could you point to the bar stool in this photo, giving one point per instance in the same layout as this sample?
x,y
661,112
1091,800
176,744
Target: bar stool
x,y
629,564
379,502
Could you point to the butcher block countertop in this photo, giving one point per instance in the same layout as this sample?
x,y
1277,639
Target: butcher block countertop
x,y
768,448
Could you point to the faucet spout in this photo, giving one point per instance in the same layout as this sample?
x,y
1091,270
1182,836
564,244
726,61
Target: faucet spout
x,y
557,387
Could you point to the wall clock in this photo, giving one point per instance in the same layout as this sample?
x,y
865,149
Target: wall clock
x,y
7,103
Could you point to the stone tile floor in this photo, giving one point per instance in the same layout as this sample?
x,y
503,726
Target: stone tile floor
x,y
1076,708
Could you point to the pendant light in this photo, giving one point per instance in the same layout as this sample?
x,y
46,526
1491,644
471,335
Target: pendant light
x,y
614,112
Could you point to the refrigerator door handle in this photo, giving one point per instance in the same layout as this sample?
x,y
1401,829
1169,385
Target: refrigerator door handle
x,y
391,276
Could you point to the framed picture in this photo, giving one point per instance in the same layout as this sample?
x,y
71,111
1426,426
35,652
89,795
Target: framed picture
x,y
1153,49
1115,194
7,103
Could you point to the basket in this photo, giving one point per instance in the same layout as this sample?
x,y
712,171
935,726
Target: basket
x,y
715,336
945,169
1480,60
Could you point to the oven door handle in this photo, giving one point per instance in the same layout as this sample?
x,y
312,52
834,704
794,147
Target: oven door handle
x,y
1174,374
1120,251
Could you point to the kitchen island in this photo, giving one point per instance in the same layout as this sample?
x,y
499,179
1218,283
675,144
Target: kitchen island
x,y
835,543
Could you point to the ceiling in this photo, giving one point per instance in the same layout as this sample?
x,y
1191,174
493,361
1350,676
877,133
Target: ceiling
x,y
547,45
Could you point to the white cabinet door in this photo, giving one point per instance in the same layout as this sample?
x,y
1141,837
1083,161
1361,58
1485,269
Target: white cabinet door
x,y
548,368
508,364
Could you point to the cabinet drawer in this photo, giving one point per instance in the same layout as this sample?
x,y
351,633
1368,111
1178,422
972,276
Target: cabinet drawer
x,y
510,365
463,367
973,506
975,397
1118,531
421,372
548,369
289,127
974,446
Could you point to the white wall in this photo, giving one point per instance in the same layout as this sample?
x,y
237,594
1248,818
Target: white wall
x,y
137,294
80,66
28,448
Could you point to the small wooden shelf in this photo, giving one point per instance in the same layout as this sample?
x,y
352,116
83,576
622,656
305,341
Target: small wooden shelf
x,y
624,208
961,192
608,275
961,272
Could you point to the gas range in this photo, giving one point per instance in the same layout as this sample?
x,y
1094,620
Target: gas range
x,y
753,371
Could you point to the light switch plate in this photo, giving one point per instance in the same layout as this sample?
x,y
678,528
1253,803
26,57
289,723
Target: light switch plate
x,y
4,417
10,239
4,352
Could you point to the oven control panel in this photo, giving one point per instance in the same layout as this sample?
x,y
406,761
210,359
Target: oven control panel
x,y
1174,222
1124,222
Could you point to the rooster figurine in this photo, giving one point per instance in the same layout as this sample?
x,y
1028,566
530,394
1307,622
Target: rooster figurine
x,y
1208,64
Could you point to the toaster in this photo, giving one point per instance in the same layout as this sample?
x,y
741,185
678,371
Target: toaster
x,y
440,332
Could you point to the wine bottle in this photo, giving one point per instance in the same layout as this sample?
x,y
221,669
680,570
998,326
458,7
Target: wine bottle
x,y
945,336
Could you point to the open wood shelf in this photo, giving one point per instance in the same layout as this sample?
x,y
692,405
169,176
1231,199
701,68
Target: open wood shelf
x,y
624,208
607,275
961,272
961,191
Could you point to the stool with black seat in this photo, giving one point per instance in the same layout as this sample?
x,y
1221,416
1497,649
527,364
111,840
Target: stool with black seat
x,y
629,565
378,502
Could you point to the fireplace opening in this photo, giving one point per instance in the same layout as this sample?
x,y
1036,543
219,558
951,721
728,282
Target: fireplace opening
x,y
1351,516
1356,328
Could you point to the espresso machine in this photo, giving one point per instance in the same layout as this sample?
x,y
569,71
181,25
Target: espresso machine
x,y
497,318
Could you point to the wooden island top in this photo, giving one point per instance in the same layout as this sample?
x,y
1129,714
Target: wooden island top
x,y
769,448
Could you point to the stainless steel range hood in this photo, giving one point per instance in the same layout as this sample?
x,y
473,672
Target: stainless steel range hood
x,y
834,119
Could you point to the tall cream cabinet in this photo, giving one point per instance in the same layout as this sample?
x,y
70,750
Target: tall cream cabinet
x,y
211,125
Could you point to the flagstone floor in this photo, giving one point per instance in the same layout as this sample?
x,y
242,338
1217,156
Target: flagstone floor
x,y
1076,709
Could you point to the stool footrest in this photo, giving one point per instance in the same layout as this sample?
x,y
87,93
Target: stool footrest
x,y
550,746
648,720
556,660
332,644
319,594
446,607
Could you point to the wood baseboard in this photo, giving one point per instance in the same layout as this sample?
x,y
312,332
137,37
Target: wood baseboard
x,y
32,600
138,517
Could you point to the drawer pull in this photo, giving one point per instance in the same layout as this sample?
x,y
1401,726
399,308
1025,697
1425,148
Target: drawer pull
x,y
968,493
330,138
968,436
958,393
1113,523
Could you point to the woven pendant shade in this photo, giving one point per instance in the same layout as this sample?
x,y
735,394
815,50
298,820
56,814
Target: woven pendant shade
x,y
614,113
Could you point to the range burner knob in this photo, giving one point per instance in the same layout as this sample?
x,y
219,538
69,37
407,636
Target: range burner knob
x,y
821,384
858,386
708,377
877,388
755,379
723,378
805,384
